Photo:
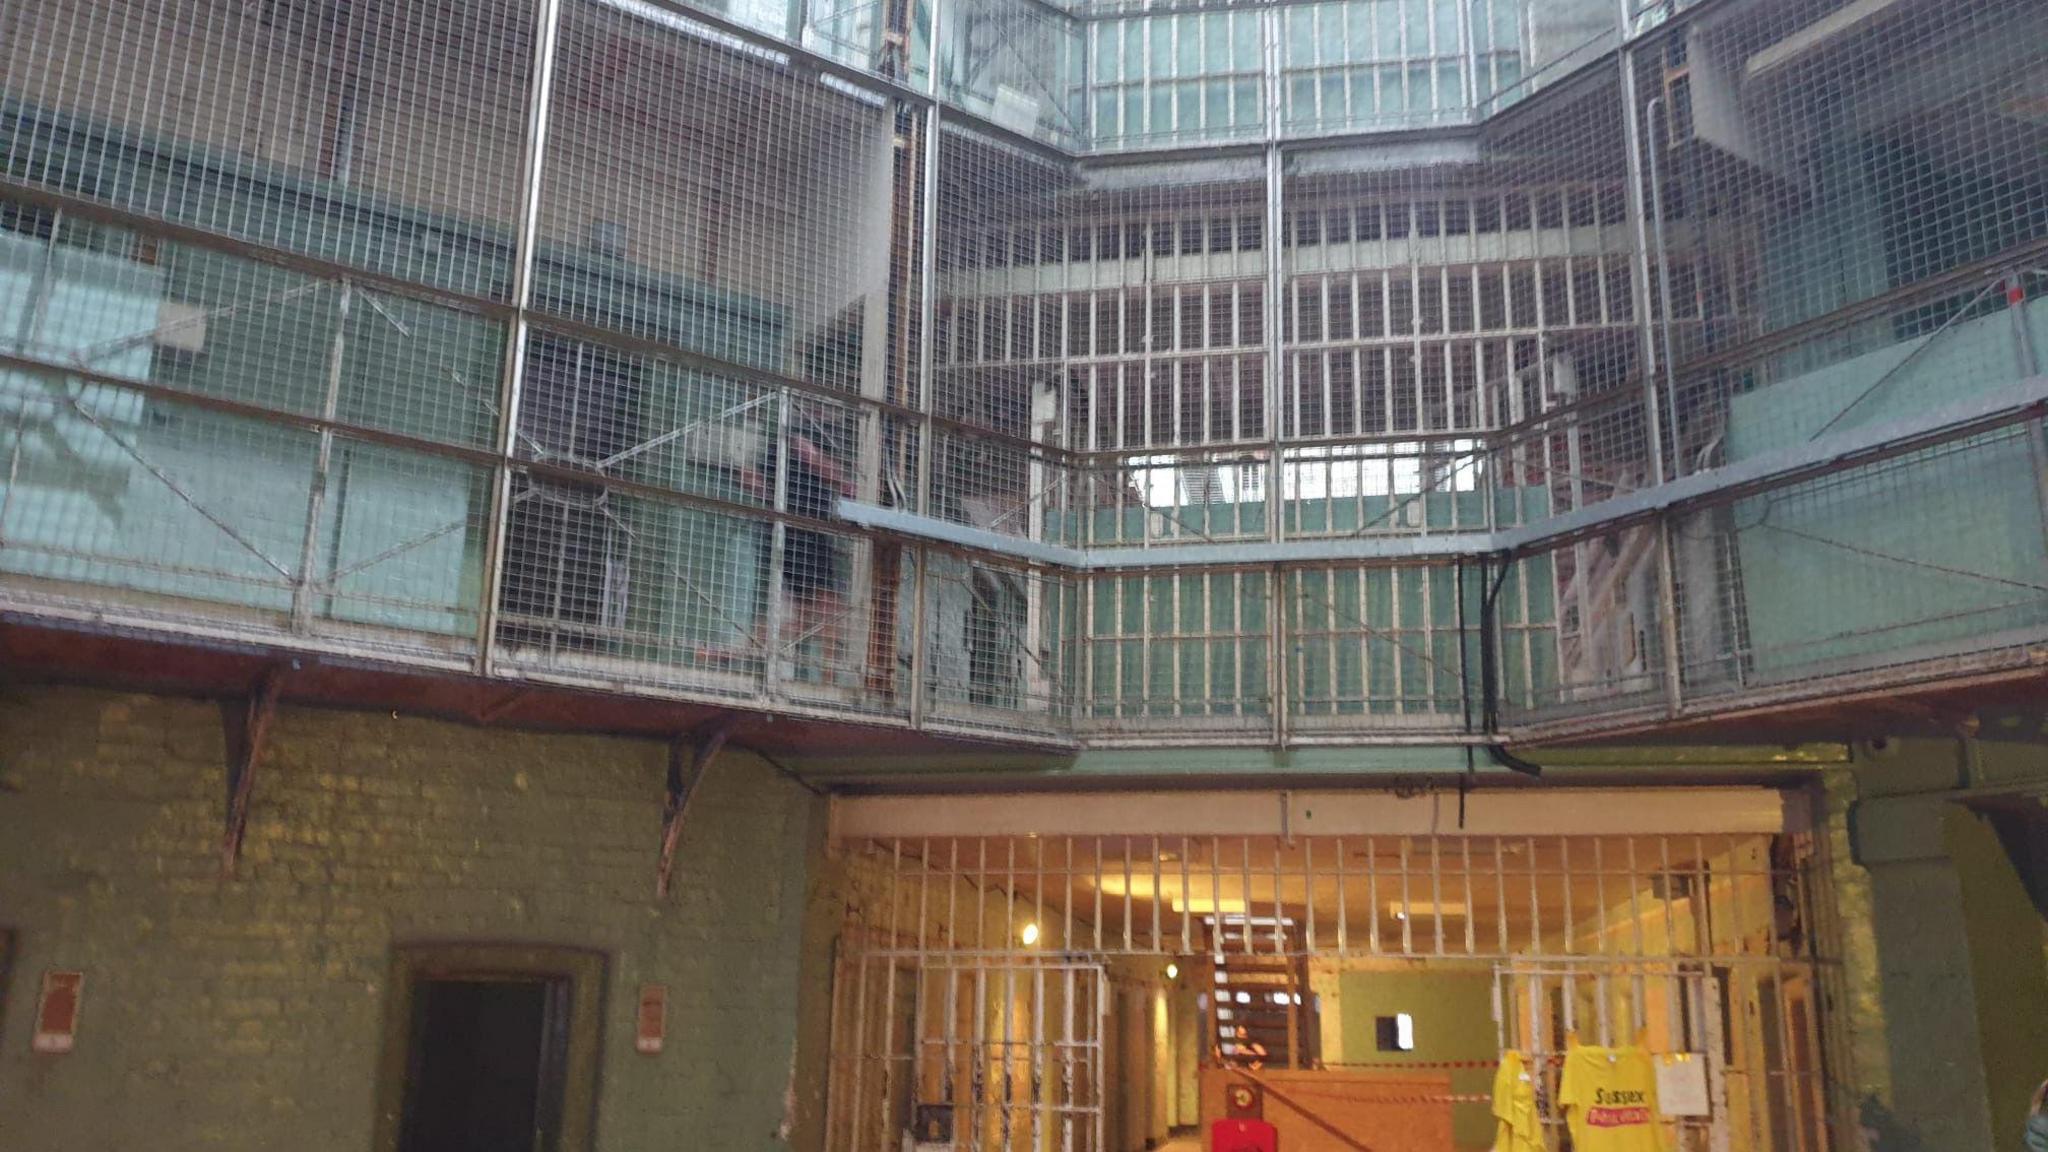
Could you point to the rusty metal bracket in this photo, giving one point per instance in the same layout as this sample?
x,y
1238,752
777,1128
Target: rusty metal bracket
x,y
244,724
700,747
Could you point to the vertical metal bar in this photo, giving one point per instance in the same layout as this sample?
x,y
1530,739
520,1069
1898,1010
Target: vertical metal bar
x,y
1635,908
1096,1052
1276,284
1671,947
1647,341
1146,702
1343,900
1471,940
924,884
1535,903
778,546
1067,904
1279,912
953,899
1245,866
913,1056
316,497
1098,894
1571,920
1293,1006
1407,902
835,1055
1127,917
982,1070
1816,1069
1750,1045
1702,899
1436,890
1372,893
1600,892
950,1083
1308,884
888,1071
1038,888
1158,894
1669,361
1667,611
1394,625
1216,897
1009,1049
1067,1052
1603,994
1037,1086
860,1056
981,900
918,610
540,97
928,291
1500,898
1187,902
928,273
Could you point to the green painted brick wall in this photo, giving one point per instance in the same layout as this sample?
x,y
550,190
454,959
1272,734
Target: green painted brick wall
x,y
246,1013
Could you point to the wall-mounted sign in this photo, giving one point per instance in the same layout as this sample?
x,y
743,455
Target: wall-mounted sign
x,y
57,1011
653,1027
1682,1084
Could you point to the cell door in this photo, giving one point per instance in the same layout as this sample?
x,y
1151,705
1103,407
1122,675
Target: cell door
x,y
1674,1008
985,1054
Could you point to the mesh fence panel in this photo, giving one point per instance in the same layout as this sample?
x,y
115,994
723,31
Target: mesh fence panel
x,y
999,645
1862,238
385,136
704,195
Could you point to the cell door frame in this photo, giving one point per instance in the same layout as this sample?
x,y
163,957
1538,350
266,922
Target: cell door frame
x,y
581,974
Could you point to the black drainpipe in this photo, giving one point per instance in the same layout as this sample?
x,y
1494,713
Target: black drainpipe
x,y
1489,668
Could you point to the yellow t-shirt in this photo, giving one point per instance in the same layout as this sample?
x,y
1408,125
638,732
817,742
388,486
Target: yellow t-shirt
x,y
1514,1105
1609,1097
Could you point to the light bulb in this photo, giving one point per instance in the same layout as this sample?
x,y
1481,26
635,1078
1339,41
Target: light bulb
x,y
1173,971
1029,935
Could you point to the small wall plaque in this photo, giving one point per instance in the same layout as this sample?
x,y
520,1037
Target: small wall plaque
x,y
653,1028
57,1011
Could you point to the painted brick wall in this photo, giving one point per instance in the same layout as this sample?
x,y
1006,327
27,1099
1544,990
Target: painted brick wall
x,y
246,1013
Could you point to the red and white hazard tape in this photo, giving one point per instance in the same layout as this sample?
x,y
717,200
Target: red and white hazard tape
x,y
1435,1065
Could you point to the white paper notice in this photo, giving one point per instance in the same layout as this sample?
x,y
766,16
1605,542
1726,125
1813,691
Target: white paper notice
x,y
1682,1084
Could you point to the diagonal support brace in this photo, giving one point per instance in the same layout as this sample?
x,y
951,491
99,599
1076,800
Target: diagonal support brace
x,y
244,724
700,747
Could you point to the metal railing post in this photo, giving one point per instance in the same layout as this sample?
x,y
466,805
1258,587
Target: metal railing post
x,y
1653,423
540,96
1276,373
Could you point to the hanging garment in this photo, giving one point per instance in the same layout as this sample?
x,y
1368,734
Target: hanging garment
x,y
1609,1097
1514,1106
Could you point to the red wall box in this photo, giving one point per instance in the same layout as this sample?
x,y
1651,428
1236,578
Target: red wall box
x,y
1242,1135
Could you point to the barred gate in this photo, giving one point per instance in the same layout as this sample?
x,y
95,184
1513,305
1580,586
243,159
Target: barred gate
x,y
994,1053
1751,1024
